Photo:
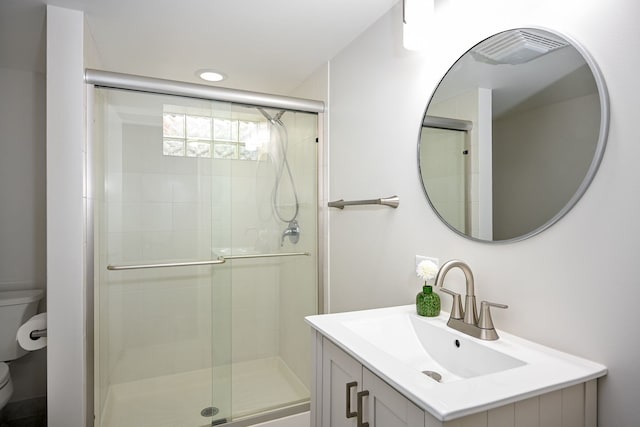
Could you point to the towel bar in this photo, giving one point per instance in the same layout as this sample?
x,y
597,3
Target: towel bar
x,y
392,201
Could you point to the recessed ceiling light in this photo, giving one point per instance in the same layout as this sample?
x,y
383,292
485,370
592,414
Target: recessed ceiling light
x,y
211,75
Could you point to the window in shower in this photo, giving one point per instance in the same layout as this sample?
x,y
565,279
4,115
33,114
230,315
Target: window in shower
x,y
198,135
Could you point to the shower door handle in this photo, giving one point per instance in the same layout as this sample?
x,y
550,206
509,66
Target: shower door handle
x,y
349,412
220,260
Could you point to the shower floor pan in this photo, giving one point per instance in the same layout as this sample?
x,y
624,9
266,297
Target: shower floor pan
x,y
177,400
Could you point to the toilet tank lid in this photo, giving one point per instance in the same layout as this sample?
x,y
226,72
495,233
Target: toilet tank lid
x,y
24,296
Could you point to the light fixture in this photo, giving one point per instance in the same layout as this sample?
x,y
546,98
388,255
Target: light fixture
x,y
416,18
210,75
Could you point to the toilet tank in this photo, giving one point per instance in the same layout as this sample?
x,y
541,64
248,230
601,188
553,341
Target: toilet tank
x,y
16,307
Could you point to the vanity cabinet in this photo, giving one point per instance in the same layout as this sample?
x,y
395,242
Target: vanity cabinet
x,y
347,394
353,396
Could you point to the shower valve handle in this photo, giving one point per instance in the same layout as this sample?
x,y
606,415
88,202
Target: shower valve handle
x,y
293,231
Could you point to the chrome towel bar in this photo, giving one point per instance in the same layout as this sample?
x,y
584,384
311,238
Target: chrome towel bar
x,y
392,202
219,260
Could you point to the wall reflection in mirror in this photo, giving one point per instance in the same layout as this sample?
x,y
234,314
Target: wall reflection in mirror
x,y
513,135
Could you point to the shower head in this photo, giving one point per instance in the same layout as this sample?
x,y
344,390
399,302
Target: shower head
x,y
265,114
275,120
277,117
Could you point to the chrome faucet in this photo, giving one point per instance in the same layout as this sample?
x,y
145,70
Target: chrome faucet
x,y
466,320
292,231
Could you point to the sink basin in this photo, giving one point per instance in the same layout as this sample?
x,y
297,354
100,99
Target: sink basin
x,y
471,375
428,345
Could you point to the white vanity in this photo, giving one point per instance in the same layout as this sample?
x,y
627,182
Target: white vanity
x,y
370,371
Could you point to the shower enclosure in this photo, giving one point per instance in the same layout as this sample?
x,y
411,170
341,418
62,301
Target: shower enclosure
x,y
205,237
446,172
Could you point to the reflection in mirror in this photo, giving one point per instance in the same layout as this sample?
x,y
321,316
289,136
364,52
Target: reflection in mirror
x,y
512,135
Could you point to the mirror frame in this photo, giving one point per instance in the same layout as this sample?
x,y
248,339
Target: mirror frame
x,y
597,156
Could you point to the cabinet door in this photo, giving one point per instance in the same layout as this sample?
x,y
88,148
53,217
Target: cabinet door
x,y
341,380
386,407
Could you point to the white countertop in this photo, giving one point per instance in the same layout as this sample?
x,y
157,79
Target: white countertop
x,y
385,342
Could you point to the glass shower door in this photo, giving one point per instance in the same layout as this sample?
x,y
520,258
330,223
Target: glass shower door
x,y
274,212
206,258
163,342
445,172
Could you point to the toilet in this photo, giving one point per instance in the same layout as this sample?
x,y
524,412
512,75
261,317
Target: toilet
x,y
16,307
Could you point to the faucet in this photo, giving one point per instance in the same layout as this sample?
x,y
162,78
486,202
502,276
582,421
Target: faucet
x,y
470,311
293,231
467,321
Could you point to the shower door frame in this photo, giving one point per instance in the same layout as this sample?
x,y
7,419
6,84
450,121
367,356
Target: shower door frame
x,y
110,80
464,127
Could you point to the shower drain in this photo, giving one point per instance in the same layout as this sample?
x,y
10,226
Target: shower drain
x,y
209,411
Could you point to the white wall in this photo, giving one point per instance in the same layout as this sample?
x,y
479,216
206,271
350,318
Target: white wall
x,y
22,179
551,161
22,173
66,363
22,206
573,287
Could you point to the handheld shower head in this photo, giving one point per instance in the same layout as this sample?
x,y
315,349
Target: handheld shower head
x,y
277,117
279,158
275,120
266,115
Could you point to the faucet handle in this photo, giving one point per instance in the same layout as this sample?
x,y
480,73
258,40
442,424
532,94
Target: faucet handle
x,y
485,321
456,307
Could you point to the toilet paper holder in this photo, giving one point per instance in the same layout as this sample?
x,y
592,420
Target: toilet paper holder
x,y
39,333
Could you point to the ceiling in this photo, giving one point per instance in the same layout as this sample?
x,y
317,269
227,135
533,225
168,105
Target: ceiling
x,y
558,75
268,46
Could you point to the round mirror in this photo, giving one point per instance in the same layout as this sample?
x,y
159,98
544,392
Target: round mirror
x,y
513,135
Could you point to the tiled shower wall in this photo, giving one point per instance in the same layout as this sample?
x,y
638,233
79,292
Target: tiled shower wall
x,y
164,211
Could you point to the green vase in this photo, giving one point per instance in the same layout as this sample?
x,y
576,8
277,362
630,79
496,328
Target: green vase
x,y
428,303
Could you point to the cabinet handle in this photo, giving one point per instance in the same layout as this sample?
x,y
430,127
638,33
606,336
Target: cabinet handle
x,y
348,405
361,394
